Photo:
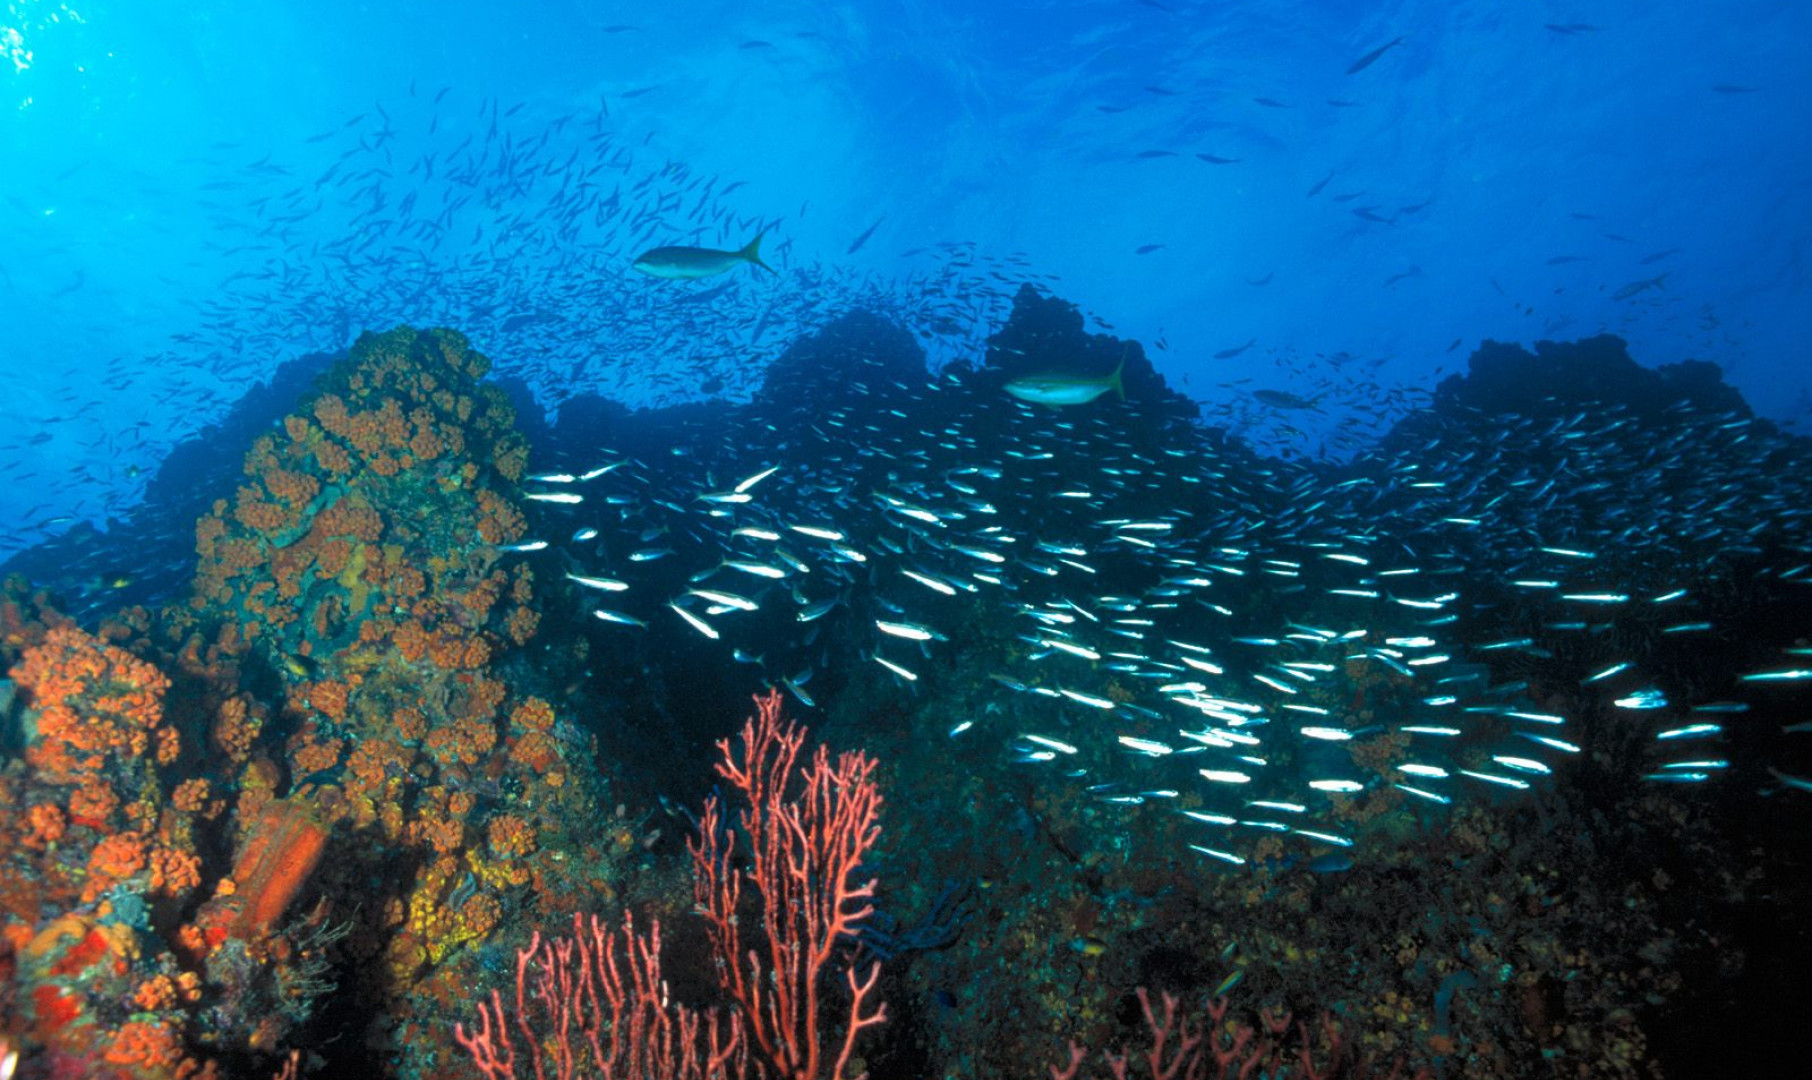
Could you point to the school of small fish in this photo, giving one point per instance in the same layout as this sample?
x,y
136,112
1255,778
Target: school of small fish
x,y
1190,621
536,235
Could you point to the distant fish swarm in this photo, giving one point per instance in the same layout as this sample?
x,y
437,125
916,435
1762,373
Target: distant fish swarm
x,y
1256,646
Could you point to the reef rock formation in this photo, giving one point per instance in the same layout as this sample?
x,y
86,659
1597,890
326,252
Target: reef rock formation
x,y
1560,375
321,771
1046,334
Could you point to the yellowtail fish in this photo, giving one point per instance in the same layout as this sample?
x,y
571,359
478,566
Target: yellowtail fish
x,y
1636,287
1283,399
1058,389
693,263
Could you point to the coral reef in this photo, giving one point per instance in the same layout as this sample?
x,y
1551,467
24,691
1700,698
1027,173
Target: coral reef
x,y
100,862
318,804
1453,943
808,841
582,1011
595,1003
315,776
361,562
1221,1048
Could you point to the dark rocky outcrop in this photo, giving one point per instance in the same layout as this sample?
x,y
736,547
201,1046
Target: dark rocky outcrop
x,y
1046,334
1561,375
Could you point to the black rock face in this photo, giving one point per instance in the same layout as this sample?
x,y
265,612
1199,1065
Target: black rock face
x,y
860,344
1561,375
1045,334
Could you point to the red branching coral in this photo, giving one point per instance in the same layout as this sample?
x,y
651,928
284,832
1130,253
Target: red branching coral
x,y
575,989
1223,1049
808,836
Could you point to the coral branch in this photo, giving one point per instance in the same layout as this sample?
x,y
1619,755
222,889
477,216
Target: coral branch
x,y
594,1004
805,850
1224,1049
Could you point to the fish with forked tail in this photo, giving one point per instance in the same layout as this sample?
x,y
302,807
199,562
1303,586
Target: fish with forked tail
x,y
1635,287
693,263
1058,389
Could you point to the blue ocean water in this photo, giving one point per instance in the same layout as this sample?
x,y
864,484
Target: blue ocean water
x,y
1416,634
194,193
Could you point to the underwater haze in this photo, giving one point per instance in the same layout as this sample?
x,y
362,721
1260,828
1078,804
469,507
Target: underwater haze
x,y
195,192
904,539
